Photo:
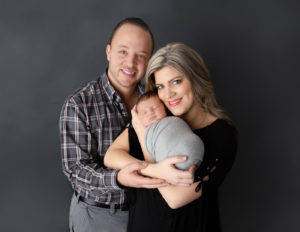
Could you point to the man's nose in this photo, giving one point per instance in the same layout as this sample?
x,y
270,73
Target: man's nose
x,y
131,60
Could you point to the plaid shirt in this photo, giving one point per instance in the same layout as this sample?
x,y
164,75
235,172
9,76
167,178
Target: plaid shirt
x,y
90,120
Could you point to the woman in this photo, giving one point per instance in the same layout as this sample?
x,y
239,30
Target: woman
x,y
184,85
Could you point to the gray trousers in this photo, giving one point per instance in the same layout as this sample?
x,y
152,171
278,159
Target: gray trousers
x,y
87,218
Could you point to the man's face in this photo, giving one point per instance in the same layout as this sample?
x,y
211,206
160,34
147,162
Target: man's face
x,y
128,56
150,110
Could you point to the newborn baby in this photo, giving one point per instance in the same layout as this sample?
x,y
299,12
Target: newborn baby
x,y
167,136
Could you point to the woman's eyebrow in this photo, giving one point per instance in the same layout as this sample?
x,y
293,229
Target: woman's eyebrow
x,y
179,76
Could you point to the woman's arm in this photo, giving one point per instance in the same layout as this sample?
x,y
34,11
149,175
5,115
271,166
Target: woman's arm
x,y
224,149
117,157
178,196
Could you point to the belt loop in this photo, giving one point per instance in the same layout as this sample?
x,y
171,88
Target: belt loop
x,y
112,208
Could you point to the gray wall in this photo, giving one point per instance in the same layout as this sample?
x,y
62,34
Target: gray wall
x,y
50,48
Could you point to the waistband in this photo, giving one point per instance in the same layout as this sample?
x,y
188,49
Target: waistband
x,y
122,207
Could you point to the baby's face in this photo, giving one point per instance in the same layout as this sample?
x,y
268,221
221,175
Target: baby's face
x,y
150,110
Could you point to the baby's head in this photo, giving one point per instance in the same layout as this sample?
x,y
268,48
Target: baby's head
x,y
150,109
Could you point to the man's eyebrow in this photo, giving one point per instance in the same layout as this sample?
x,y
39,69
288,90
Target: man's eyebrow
x,y
124,46
145,52
121,46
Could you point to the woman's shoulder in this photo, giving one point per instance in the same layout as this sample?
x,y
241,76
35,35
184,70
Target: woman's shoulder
x,y
218,129
217,125
222,124
226,128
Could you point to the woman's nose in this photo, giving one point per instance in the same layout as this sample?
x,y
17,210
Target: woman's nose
x,y
165,93
169,93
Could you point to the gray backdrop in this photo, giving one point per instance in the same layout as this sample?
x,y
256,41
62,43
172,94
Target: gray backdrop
x,y
50,48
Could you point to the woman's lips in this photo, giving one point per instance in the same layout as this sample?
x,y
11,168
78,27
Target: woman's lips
x,y
174,102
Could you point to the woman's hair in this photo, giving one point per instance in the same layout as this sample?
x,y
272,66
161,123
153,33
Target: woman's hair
x,y
188,62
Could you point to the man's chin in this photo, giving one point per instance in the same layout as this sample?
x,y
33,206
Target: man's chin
x,y
128,84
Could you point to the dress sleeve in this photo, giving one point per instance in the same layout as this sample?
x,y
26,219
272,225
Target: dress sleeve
x,y
81,161
222,153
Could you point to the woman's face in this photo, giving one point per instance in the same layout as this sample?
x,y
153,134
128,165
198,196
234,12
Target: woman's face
x,y
175,90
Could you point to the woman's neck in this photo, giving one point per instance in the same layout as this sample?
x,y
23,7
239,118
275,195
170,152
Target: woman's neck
x,y
198,118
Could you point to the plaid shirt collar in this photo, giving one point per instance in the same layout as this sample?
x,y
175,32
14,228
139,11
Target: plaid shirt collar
x,y
110,91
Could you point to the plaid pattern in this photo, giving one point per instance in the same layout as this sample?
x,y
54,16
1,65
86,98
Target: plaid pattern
x,y
90,120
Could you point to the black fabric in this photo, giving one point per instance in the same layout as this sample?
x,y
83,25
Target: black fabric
x,y
151,213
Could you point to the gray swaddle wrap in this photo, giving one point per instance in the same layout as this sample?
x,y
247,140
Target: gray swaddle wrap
x,y
172,136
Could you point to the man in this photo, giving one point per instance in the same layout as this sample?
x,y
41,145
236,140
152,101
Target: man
x,y
91,118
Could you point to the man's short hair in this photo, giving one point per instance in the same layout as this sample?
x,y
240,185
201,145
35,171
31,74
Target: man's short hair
x,y
134,21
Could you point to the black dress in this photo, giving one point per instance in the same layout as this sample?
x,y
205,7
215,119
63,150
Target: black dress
x,y
150,212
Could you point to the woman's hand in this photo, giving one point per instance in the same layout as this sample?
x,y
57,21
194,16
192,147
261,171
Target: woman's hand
x,y
167,171
176,176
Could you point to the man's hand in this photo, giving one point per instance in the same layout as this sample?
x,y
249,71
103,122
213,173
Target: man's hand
x,y
174,176
129,176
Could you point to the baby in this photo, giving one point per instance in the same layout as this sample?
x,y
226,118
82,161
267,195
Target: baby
x,y
167,136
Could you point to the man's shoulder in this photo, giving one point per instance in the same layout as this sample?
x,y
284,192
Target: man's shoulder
x,y
88,89
86,92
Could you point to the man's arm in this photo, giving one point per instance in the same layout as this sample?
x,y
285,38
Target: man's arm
x,y
81,162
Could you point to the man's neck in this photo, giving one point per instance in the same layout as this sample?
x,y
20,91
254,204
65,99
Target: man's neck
x,y
129,96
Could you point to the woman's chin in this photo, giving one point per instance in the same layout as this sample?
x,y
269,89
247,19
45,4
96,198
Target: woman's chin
x,y
176,112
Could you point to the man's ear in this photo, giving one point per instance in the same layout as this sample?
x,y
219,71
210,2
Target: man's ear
x,y
108,47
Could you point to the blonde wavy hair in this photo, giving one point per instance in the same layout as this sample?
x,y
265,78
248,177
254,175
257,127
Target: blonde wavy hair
x,y
188,62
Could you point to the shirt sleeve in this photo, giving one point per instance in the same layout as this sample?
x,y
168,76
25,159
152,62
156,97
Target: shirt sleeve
x,y
81,161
